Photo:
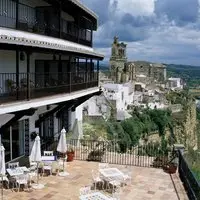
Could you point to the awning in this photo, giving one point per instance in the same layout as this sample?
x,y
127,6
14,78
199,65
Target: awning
x,y
17,37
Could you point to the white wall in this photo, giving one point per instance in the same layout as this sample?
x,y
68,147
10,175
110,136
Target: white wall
x,y
8,65
92,106
8,61
77,114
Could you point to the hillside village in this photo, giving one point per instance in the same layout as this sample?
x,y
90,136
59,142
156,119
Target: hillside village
x,y
136,85
132,84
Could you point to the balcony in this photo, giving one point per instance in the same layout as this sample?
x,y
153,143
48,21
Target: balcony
x,y
42,20
17,87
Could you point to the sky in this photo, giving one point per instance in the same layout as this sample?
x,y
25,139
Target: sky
x,y
166,31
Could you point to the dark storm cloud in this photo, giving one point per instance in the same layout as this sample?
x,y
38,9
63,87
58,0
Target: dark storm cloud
x,y
173,21
138,21
181,11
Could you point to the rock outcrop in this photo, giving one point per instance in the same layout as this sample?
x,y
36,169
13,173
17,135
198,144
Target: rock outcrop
x,y
185,130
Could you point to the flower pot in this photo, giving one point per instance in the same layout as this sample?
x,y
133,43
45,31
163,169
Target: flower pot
x,y
171,168
70,156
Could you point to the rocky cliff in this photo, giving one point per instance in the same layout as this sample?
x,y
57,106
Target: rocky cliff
x,y
186,125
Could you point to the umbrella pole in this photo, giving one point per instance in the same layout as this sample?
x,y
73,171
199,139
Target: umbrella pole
x,y
37,173
63,162
2,187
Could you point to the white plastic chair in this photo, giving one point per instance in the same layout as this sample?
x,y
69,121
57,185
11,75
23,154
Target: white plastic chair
x,y
22,180
48,153
46,167
55,167
33,165
85,190
32,176
4,179
115,184
96,179
116,194
127,176
13,165
103,165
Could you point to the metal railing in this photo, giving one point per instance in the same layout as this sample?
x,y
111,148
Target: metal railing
x,y
192,186
121,153
16,86
116,152
32,20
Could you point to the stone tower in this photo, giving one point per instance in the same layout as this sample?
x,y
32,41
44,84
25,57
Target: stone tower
x,y
118,60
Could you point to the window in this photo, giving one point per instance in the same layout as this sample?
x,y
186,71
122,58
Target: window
x,y
13,139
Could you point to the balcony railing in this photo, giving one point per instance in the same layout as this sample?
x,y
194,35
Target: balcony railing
x,y
17,87
33,20
191,184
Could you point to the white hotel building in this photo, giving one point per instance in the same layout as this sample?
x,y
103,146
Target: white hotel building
x,y
48,68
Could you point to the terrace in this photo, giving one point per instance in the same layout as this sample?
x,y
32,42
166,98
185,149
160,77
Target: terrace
x,y
147,183
146,164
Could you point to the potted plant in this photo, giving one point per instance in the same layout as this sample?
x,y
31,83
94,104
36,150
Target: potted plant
x,y
96,155
70,154
172,166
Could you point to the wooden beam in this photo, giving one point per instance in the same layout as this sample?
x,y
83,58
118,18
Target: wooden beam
x,y
67,105
42,117
83,99
17,116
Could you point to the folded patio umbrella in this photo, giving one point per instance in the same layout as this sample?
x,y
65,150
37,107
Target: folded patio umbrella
x,y
2,165
36,157
62,148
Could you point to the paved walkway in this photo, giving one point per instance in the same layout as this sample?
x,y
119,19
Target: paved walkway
x,y
147,184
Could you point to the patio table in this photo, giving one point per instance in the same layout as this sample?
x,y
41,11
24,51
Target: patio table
x,y
95,196
112,173
17,171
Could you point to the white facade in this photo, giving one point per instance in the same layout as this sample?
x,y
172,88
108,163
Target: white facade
x,y
122,94
137,98
33,97
174,83
117,96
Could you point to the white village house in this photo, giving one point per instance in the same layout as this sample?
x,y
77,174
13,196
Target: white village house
x,y
117,96
175,83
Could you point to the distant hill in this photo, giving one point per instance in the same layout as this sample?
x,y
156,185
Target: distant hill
x,y
103,67
190,74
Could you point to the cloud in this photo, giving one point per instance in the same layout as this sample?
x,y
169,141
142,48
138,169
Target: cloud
x,y
157,30
135,7
181,11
